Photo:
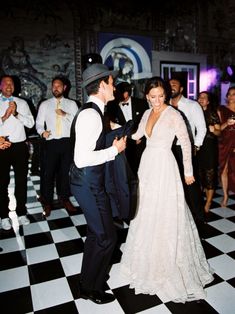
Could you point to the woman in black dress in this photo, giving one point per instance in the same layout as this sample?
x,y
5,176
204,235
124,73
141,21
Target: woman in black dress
x,y
208,154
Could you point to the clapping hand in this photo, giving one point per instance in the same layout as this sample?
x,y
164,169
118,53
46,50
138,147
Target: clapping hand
x,y
10,110
12,106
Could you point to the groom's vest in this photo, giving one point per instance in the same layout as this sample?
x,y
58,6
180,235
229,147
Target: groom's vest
x,y
93,175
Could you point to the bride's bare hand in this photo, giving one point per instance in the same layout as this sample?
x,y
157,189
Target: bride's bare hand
x,y
189,180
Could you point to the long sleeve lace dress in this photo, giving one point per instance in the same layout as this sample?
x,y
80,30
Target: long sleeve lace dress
x,y
163,254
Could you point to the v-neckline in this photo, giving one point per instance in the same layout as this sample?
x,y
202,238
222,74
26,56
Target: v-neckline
x,y
155,122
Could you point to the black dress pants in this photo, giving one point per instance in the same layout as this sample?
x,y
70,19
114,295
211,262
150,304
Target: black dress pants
x,y
193,193
17,156
57,158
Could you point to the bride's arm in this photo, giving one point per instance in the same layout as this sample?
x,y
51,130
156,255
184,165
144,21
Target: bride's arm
x,y
141,127
183,137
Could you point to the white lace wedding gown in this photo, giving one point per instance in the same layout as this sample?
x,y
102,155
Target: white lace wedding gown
x,y
163,253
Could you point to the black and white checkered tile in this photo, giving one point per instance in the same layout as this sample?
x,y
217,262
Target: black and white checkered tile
x,y
40,265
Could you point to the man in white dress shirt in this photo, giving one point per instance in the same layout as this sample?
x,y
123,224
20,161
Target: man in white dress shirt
x,y
191,111
15,115
87,177
53,123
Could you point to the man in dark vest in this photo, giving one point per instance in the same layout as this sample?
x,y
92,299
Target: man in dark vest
x,y
87,178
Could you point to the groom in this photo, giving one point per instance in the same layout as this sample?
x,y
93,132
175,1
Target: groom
x,y
87,178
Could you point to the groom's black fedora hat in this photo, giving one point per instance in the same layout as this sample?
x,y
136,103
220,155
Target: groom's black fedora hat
x,y
95,72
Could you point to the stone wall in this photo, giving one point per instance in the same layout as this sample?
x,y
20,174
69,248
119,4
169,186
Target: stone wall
x,y
36,44
40,39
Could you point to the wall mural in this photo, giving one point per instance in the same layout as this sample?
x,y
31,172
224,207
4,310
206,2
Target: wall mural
x,y
37,46
16,61
129,55
36,78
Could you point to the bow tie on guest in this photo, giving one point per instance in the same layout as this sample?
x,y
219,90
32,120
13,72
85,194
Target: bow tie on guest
x,y
125,104
7,99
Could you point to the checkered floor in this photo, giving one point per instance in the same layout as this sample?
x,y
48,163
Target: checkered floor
x,y
40,265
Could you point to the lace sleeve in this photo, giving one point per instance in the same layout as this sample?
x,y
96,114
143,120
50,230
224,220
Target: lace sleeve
x,y
141,127
183,137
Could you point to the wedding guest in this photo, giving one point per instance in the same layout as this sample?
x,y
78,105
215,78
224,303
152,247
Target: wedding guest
x,y
124,108
208,154
227,145
15,115
193,115
53,124
4,144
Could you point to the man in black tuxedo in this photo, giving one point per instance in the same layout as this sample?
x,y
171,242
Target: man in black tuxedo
x,y
125,108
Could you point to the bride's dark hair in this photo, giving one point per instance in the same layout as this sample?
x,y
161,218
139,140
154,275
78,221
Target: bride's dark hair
x,y
157,81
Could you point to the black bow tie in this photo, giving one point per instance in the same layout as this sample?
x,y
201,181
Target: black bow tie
x,y
125,103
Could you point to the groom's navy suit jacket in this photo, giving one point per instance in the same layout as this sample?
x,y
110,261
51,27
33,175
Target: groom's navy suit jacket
x,y
133,151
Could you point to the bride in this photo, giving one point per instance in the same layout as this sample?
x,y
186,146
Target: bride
x,y
163,253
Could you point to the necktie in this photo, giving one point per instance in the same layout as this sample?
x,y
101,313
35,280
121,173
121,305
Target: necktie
x,y
125,103
58,126
7,99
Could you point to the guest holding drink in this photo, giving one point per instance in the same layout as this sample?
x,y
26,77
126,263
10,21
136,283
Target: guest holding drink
x,y
227,145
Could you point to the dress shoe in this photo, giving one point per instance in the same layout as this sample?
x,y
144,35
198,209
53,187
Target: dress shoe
x,y
46,210
41,199
69,206
6,224
98,297
23,220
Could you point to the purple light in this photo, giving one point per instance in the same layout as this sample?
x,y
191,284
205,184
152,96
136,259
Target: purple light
x,y
230,70
208,78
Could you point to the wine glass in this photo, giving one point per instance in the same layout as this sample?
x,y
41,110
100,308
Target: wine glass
x,y
232,117
231,122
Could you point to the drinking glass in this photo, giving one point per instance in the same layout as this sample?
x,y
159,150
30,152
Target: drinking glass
x,y
230,120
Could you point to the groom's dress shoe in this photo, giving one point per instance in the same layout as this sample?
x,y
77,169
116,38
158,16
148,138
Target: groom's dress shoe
x,y
98,297
46,210
69,206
